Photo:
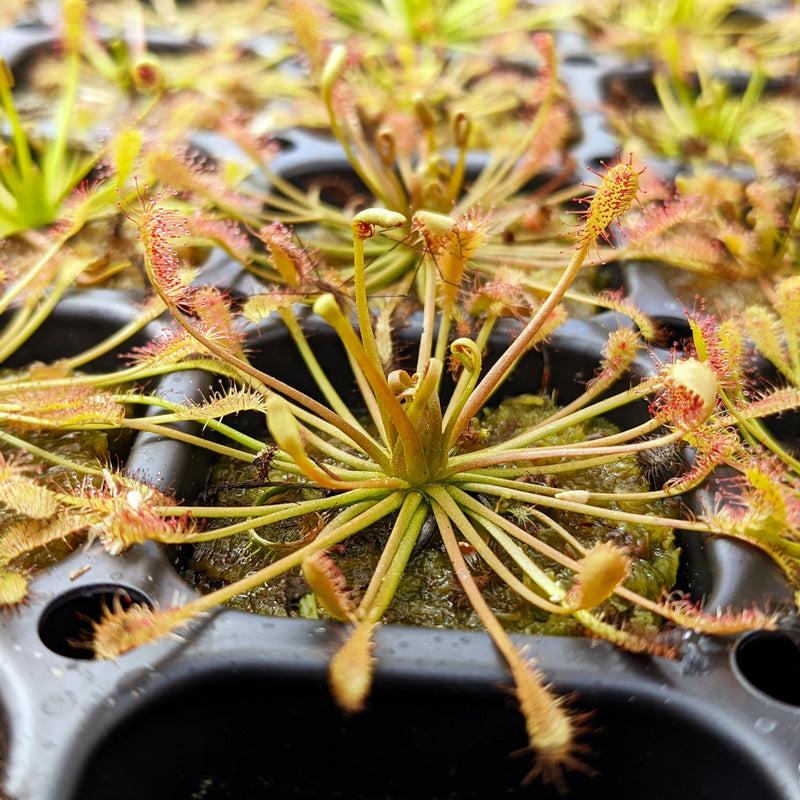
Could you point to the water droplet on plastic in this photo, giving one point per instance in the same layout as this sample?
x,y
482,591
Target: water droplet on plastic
x,y
58,703
765,725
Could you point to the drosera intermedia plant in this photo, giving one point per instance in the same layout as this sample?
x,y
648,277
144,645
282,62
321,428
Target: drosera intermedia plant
x,y
63,167
60,227
760,486
57,465
410,151
712,76
38,172
721,225
775,329
407,466
454,26
55,489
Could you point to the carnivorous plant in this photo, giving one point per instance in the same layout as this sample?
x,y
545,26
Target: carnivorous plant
x,y
408,465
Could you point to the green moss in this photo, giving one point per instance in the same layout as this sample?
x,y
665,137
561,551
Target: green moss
x,y
429,594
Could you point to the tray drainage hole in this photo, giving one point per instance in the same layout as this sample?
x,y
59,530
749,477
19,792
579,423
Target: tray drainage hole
x,y
65,626
770,661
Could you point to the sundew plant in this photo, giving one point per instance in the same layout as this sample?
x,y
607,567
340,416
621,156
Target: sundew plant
x,y
41,171
408,466
455,149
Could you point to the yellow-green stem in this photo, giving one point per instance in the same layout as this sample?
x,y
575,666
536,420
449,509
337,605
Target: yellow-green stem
x,y
493,627
589,510
46,455
372,514
394,557
466,381
498,373
428,314
457,516
112,342
396,422
317,373
365,442
30,276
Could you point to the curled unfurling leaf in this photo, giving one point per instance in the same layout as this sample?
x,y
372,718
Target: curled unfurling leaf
x,y
328,584
602,569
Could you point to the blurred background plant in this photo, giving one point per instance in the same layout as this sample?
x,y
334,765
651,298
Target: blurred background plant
x,y
708,82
